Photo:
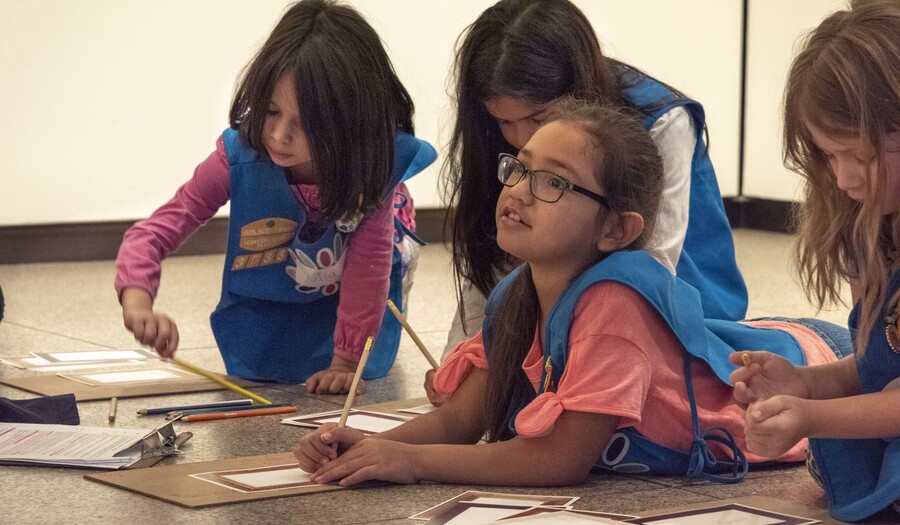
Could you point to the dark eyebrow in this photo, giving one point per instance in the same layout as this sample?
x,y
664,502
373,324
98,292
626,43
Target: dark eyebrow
x,y
524,152
561,164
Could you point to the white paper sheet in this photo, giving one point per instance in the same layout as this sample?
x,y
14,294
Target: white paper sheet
x,y
69,445
131,376
261,480
97,355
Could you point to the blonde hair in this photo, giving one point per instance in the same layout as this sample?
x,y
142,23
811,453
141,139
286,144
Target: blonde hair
x,y
845,82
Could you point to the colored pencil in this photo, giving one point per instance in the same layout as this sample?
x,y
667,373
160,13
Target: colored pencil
x,y
412,334
180,413
352,393
219,405
239,413
219,379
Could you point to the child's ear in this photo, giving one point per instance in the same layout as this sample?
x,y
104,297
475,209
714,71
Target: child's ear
x,y
618,230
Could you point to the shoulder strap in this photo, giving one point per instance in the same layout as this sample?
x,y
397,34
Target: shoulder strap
x,y
680,306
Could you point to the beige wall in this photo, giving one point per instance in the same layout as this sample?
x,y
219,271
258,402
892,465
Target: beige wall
x,y
107,106
774,28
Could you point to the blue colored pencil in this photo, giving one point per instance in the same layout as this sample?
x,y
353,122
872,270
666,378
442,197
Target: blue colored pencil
x,y
220,404
176,413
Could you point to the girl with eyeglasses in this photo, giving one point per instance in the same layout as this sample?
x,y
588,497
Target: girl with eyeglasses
x,y
512,65
588,347
842,135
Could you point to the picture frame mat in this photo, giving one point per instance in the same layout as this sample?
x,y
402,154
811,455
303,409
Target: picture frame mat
x,y
764,503
176,484
526,501
97,356
366,421
53,385
243,480
120,377
465,512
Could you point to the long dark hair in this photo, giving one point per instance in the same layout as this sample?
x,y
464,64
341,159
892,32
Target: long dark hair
x,y
629,169
532,50
351,101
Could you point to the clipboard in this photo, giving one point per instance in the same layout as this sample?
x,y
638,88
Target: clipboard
x,y
135,453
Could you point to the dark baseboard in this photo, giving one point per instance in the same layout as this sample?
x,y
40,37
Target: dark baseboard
x,y
91,241
100,241
760,214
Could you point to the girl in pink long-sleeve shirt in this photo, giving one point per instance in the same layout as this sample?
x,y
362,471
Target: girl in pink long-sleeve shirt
x,y
320,219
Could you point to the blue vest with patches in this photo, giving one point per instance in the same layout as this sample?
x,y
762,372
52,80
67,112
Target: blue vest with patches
x,y
707,260
711,341
862,476
280,290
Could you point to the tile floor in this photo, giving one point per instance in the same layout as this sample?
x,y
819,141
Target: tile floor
x,y
72,307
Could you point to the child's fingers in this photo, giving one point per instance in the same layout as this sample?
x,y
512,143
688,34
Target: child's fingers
x,y
306,463
743,394
764,410
322,447
167,341
339,384
312,383
308,458
364,474
148,334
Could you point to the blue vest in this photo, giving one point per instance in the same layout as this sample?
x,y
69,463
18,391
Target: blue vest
x,y
707,260
712,341
862,476
280,290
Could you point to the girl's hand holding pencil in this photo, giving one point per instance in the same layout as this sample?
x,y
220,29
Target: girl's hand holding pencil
x,y
325,444
368,459
149,328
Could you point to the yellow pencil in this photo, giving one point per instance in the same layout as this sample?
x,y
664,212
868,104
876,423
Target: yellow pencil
x,y
412,334
352,394
746,359
219,379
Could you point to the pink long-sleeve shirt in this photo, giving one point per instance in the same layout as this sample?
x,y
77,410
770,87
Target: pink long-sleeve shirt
x,y
367,268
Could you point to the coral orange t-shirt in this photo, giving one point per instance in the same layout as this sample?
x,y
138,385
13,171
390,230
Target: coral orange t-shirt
x,y
625,361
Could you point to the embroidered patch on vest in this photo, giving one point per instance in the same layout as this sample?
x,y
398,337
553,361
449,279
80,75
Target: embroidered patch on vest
x,y
266,234
254,260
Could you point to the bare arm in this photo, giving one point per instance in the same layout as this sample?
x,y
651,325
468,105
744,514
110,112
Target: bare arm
x,y
865,416
834,380
438,446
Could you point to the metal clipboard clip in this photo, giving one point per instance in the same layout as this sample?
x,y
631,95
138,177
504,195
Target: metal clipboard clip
x,y
161,442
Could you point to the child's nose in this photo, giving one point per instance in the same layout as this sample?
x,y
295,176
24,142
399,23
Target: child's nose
x,y
281,131
522,189
845,174
518,134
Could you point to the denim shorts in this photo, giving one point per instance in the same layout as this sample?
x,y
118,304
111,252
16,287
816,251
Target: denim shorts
x,y
836,337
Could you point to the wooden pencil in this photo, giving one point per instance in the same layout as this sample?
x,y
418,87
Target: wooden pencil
x,y
219,379
745,358
412,334
352,393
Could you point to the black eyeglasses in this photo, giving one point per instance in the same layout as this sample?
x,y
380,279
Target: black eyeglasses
x,y
545,185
